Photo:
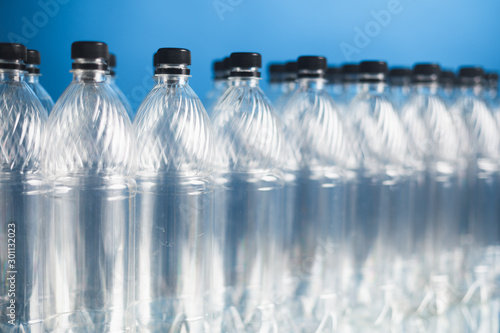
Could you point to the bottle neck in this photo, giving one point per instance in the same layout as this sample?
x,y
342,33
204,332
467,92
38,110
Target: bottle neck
x,y
11,75
428,88
110,78
172,79
32,78
472,89
312,83
373,87
237,81
89,76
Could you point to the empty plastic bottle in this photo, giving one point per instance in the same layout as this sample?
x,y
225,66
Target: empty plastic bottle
x,y
491,87
483,183
111,77
350,80
276,79
90,162
382,226
288,86
335,82
173,231
320,264
33,80
249,230
440,194
448,83
399,86
22,119
221,72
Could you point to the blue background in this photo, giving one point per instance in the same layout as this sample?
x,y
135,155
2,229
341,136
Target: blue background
x,y
451,32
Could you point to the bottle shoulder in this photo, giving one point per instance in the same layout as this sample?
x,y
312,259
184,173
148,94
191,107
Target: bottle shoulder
x,y
89,130
174,134
21,129
249,134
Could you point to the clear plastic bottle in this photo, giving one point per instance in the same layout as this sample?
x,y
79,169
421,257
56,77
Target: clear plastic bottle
x,y
350,80
22,118
483,184
288,86
89,158
111,77
320,262
335,82
174,213
249,231
33,80
221,72
448,83
440,192
276,81
399,86
491,87
382,226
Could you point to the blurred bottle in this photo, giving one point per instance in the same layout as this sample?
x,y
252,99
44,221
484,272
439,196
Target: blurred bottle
x,y
399,86
111,77
249,242
334,82
483,183
221,72
448,83
33,80
350,80
89,160
276,79
382,227
491,86
320,264
440,191
288,86
174,215
22,118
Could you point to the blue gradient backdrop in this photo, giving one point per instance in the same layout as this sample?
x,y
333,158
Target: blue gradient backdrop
x,y
451,32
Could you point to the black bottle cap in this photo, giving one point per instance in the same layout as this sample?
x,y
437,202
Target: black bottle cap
x,y
174,57
218,66
468,75
350,72
12,52
291,67
447,78
426,72
334,74
311,66
112,61
491,76
90,51
400,72
373,71
276,72
248,61
470,72
155,59
33,59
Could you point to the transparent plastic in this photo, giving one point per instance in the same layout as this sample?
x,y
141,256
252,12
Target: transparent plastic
x,y
287,90
212,97
249,224
33,81
121,96
484,192
440,196
382,196
174,223
21,205
320,264
89,159
399,92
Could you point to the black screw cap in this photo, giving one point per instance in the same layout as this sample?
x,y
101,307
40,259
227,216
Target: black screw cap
x,y
13,51
245,60
350,69
33,58
401,72
112,61
89,50
471,72
373,67
174,56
